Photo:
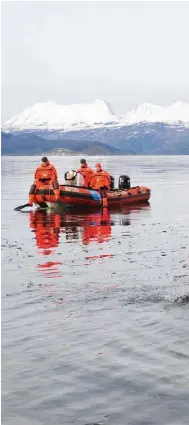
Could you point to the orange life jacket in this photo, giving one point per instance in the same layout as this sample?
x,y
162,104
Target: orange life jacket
x,y
86,172
45,175
100,179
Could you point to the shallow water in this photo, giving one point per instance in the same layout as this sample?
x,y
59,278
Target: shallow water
x,y
95,307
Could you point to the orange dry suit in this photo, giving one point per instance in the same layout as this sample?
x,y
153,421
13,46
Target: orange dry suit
x,y
100,179
44,175
86,172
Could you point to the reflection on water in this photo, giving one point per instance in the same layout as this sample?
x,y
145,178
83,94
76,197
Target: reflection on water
x,y
95,306
47,230
87,228
49,226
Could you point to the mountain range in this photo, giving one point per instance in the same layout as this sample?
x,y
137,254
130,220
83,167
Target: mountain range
x,y
95,129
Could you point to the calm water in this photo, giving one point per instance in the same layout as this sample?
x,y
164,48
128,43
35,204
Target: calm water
x,y
95,318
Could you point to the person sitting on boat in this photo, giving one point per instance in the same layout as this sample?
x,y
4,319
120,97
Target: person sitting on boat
x,y
86,171
74,178
45,174
101,181
100,178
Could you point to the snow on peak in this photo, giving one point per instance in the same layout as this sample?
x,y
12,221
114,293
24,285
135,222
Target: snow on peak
x,y
179,104
144,112
147,112
50,115
147,107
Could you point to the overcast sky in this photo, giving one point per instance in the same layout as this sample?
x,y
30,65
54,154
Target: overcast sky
x,y
68,52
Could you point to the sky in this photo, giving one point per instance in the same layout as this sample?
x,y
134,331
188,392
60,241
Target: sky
x,y
125,53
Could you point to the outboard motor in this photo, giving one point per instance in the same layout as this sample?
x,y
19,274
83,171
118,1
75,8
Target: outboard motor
x,y
112,182
124,182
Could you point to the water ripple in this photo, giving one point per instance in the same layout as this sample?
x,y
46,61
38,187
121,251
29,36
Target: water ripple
x,y
95,308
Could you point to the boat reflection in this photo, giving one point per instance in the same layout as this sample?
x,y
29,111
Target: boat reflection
x,y
48,225
96,227
47,230
76,226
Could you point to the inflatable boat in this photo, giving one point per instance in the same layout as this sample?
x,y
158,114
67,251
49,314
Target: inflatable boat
x,y
86,197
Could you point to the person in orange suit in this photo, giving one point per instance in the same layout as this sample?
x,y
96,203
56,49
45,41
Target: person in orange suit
x,y
47,230
45,174
86,171
101,181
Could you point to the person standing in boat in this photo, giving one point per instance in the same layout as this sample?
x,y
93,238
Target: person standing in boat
x,y
45,174
86,171
101,181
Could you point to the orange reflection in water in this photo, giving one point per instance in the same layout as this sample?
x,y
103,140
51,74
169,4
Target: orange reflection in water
x,y
47,230
93,227
49,226
87,228
96,227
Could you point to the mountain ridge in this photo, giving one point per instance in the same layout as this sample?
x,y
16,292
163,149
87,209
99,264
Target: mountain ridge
x,y
135,139
30,144
99,114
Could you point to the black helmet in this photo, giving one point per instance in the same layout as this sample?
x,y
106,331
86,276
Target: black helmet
x,y
83,161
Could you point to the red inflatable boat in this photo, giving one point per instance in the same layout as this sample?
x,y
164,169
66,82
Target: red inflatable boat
x,y
86,197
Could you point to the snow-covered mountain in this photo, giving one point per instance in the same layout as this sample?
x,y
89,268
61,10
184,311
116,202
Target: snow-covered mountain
x,y
63,117
147,112
51,116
